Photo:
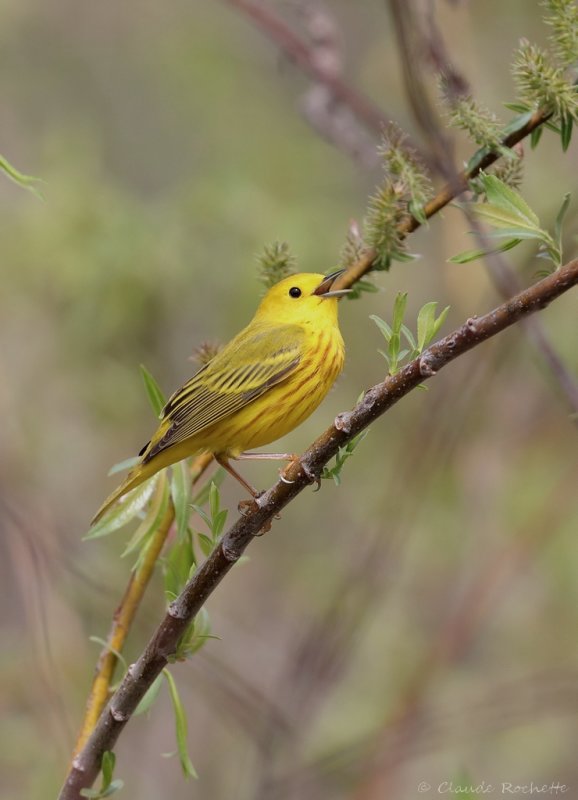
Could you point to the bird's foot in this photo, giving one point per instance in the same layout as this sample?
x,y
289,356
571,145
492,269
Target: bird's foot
x,y
292,458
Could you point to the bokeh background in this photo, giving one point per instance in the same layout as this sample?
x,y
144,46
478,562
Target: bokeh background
x,y
417,623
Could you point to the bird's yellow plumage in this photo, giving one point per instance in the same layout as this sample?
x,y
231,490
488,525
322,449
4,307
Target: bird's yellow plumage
x,y
260,386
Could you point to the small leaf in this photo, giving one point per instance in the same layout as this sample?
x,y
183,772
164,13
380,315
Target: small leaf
x,y
125,511
181,727
519,108
535,136
108,762
177,565
150,696
439,321
417,210
559,222
409,337
26,181
155,513
471,255
425,321
206,544
382,325
503,196
566,125
120,466
181,490
399,311
214,501
519,121
153,390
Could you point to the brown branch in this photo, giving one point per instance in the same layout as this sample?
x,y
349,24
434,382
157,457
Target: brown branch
x,y
306,470
446,195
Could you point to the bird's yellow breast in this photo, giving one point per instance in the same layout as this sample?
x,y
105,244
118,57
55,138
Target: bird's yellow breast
x,y
283,407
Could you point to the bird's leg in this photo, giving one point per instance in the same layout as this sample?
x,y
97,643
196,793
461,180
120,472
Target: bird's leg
x,y
224,462
290,457
266,457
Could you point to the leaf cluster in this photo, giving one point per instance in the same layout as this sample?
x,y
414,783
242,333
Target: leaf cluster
x,y
402,344
334,473
512,219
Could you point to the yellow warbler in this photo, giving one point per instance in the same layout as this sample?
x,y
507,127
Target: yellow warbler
x,y
260,386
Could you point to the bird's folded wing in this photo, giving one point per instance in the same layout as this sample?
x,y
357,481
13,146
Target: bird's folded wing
x,y
247,367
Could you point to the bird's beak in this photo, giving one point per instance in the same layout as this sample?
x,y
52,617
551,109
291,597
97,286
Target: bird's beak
x,y
323,290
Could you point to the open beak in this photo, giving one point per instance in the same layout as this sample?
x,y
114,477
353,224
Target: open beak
x,y
324,288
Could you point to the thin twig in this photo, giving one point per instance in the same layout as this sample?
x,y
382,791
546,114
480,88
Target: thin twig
x,y
125,614
304,471
446,195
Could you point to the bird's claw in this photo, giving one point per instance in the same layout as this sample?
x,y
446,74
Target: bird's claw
x,y
245,507
292,460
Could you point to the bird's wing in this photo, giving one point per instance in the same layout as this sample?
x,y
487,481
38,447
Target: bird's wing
x,y
247,367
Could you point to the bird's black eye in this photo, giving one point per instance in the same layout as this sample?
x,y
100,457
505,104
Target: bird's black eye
x,y
295,291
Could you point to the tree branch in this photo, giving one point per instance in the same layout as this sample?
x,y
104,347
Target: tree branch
x,y
306,470
480,161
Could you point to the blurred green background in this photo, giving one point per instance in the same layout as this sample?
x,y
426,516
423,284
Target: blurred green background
x,y
417,623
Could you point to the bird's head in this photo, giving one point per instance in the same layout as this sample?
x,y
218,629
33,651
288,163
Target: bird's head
x,y
301,298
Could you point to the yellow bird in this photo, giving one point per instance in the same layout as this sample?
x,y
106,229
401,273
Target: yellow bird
x,y
260,386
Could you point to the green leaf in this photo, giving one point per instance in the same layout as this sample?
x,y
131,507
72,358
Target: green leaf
x,y
153,390
518,122
125,511
440,321
155,512
26,181
180,726
471,255
566,125
409,337
181,491
399,306
425,321
535,136
177,565
214,500
120,466
206,544
508,219
502,196
417,210
108,786
559,223
393,349
382,325
108,762
519,108
150,696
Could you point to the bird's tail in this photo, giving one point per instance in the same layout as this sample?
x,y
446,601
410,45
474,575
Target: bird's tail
x,y
135,477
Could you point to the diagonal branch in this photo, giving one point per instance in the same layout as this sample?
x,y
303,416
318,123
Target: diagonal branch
x,y
480,161
376,401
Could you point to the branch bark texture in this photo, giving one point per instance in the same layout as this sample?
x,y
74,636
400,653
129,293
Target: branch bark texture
x,y
305,471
